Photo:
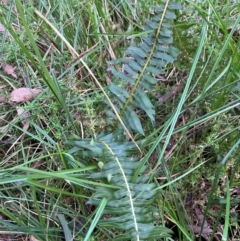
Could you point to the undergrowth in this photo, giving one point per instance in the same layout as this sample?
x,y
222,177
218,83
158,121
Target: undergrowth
x,y
135,134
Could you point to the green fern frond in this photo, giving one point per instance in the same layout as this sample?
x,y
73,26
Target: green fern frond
x,y
141,65
130,206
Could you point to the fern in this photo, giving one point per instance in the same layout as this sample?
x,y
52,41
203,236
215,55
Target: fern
x,y
140,67
133,200
130,201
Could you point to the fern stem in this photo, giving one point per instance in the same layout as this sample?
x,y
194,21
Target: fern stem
x,y
127,187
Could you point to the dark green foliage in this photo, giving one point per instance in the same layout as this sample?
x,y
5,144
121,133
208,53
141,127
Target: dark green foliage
x,y
140,67
130,203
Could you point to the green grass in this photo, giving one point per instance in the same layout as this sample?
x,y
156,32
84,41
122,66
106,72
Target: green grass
x,y
53,185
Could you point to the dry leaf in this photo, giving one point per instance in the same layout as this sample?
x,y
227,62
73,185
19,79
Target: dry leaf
x,y
197,229
24,94
8,69
32,238
24,114
206,230
170,94
108,79
2,99
37,164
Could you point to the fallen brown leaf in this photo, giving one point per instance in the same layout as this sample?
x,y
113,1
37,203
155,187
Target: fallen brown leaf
x,y
2,99
23,117
197,229
32,238
177,88
9,69
23,114
202,225
24,94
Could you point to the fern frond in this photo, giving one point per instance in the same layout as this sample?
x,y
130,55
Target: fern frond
x,y
140,66
131,205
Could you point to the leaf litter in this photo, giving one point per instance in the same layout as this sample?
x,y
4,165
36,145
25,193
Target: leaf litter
x,y
24,94
9,69
20,95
